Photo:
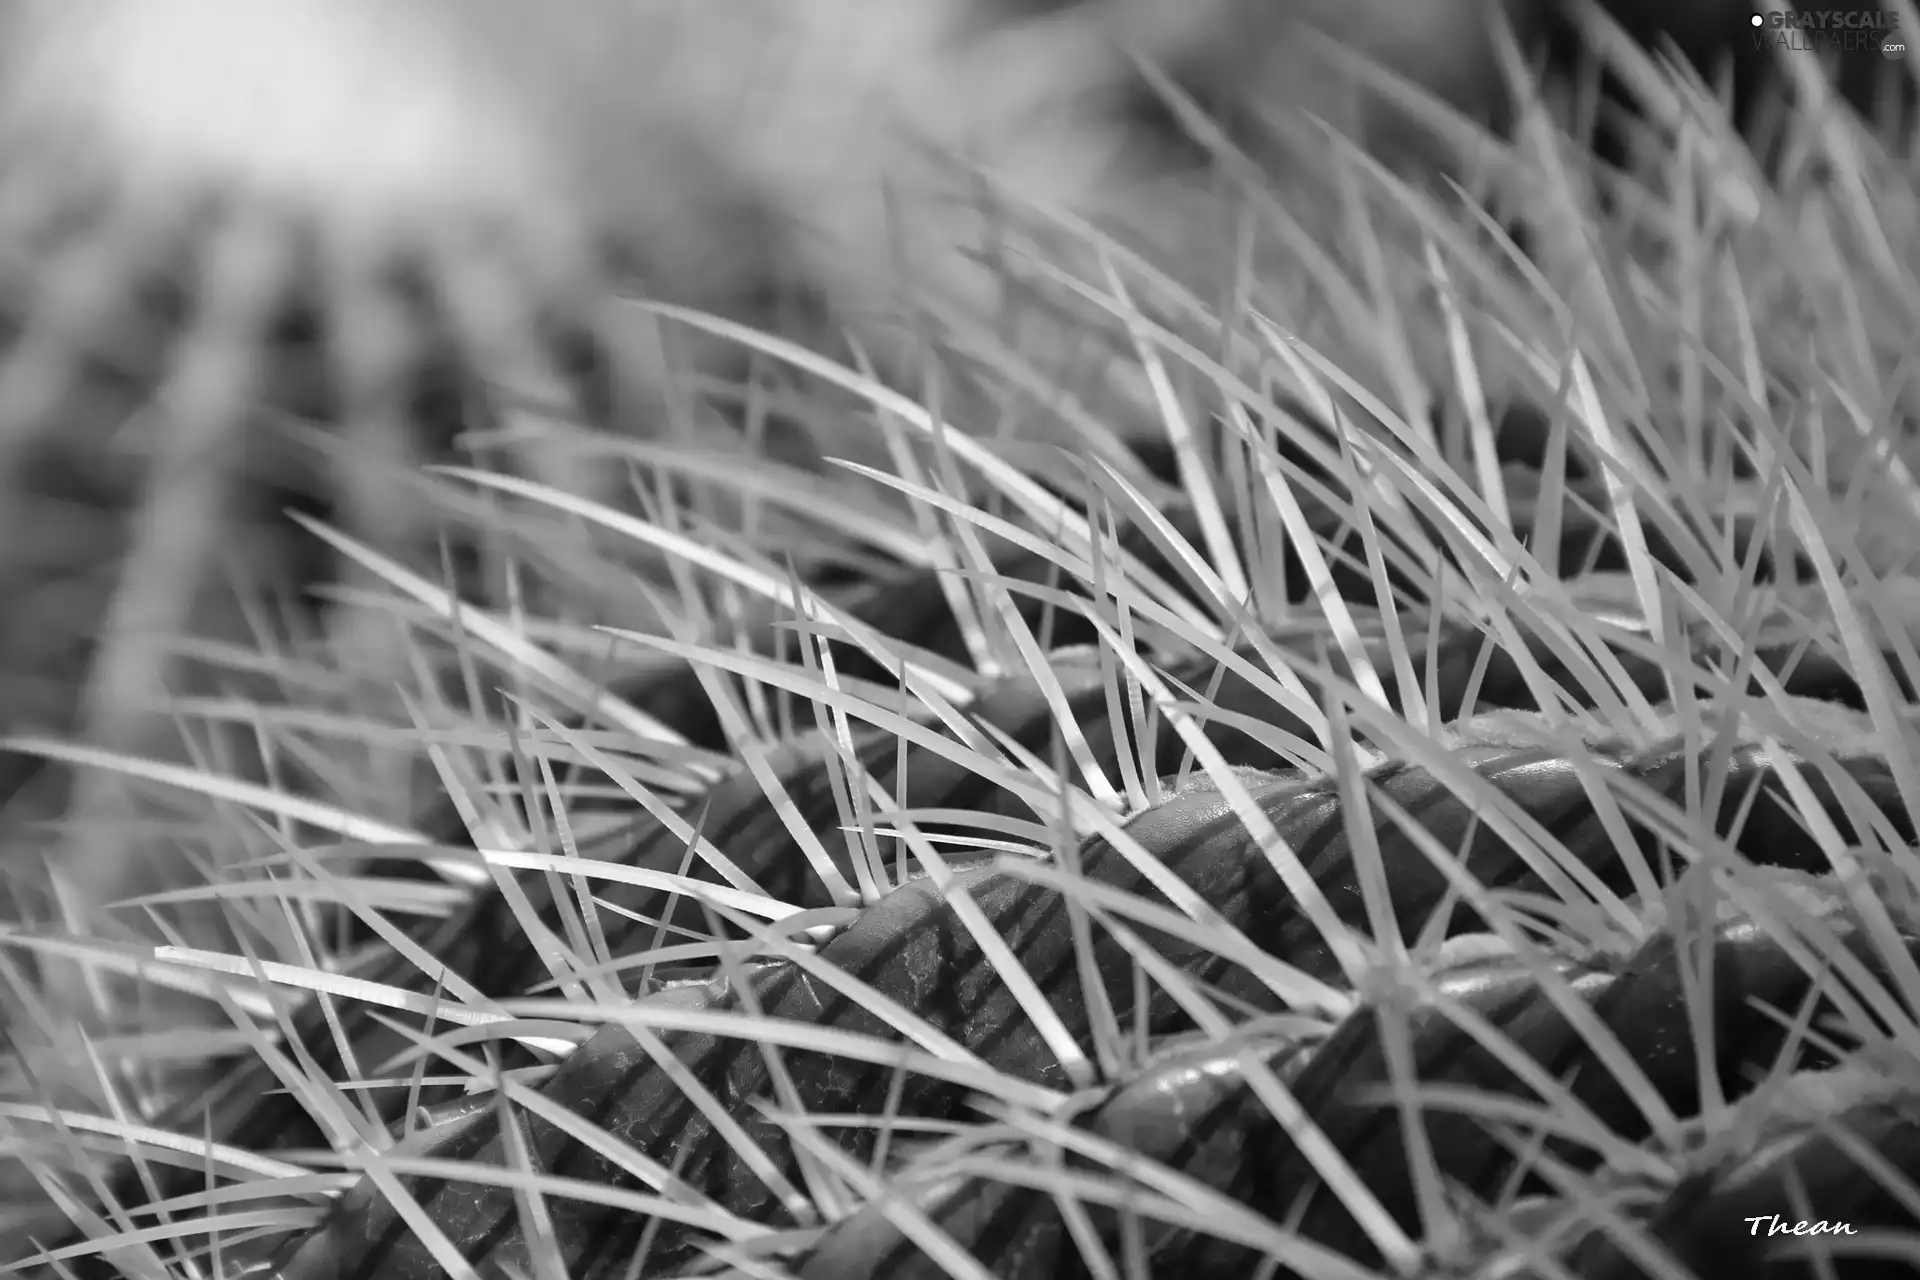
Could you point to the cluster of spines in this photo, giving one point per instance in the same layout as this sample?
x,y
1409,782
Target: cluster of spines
x,y
912,947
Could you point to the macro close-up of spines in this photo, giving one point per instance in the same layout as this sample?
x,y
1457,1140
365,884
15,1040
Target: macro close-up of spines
x,y
818,639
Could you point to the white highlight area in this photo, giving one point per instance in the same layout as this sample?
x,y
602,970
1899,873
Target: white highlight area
x,y
369,109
